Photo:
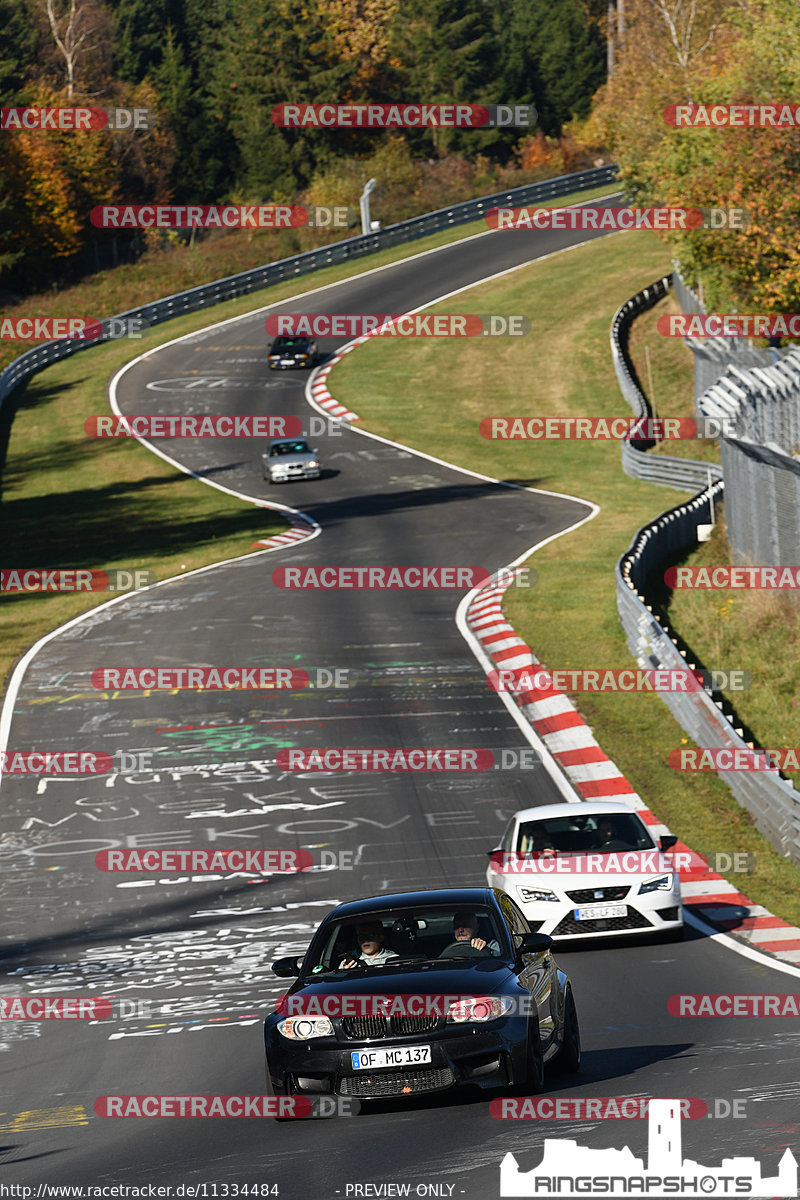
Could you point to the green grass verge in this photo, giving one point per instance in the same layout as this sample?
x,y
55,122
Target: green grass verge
x,y
432,394
70,501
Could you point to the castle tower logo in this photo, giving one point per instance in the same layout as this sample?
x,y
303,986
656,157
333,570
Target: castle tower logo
x,y
568,1169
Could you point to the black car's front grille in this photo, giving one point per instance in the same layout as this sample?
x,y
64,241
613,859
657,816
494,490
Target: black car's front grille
x,y
633,920
396,1083
409,1024
588,895
364,1027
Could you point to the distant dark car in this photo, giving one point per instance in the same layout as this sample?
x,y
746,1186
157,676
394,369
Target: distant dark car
x,y
437,1014
292,352
290,458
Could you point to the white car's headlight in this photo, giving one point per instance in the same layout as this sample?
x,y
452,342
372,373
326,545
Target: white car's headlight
x,y
478,1008
529,895
662,884
312,462
303,1029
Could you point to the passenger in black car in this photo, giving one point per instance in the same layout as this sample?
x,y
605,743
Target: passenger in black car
x,y
373,953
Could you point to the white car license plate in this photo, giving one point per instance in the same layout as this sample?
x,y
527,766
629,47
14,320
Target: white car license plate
x,y
595,912
397,1056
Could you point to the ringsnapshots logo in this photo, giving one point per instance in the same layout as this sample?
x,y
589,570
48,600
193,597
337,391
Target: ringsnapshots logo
x,y
76,119
73,579
220,216
402,115
570,1170
398,325
605,218
181,425
727,116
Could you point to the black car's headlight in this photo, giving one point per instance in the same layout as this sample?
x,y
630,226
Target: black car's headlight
x,y
529,895
663,883
303,1029
478,1008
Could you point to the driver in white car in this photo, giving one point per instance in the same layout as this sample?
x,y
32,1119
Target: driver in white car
x,y
465,929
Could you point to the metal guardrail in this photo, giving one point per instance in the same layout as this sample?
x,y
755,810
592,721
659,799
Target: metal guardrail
x,y
245,282
773,802
685,474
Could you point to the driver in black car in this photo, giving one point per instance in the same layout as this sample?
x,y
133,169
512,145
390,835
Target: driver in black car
x,y
465,929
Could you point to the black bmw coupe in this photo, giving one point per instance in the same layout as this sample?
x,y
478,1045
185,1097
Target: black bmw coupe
x,y
418,992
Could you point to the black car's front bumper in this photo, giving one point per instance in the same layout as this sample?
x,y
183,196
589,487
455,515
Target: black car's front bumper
x,y
475,1055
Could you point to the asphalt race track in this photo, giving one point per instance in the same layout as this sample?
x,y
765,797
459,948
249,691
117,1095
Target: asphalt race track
x,y
190,956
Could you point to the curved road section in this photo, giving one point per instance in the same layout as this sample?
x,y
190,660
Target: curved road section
x,y
183,957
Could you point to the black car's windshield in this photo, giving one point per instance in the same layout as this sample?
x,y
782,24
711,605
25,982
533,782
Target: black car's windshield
x,y
393,938
282,448
286,345
598,833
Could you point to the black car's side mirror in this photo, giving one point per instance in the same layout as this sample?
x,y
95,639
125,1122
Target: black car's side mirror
x,y
534,943
286,967
667,841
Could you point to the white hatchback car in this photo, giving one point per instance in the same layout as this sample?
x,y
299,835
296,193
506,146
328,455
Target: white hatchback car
x,y
588,870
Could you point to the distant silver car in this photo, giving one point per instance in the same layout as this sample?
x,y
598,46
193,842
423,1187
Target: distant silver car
x,y
290,458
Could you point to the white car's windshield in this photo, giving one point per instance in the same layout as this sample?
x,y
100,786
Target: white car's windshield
x,y
600,833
